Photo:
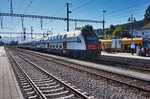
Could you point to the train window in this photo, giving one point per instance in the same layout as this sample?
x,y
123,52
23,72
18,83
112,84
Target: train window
x,y
60,37
53,46
65,36
51,38
91,38
57,36
56,46
60,46
78,40
54,38
50,46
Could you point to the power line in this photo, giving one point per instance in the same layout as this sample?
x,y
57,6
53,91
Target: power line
x,y
123,9
28,6
85,4
19,6
24,12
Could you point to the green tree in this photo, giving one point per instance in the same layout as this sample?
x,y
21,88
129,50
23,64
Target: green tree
x,y
147,16
87,28
120,31
110,31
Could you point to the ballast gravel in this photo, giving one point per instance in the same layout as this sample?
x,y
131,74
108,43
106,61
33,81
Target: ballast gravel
x,y
98,88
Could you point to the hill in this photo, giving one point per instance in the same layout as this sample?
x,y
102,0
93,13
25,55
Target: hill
x,y
136,25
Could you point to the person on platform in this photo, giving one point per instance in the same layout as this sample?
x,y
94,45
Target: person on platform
x,y
132,47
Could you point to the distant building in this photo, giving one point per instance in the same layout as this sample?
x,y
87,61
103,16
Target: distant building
x,y
144,31
135,32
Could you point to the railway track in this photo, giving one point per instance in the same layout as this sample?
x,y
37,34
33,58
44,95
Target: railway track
x,y
131,82
39,84
125,64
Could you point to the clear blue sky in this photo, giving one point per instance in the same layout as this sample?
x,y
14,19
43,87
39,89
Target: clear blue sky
x,y
117,12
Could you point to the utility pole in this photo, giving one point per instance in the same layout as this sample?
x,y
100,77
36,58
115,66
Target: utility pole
x,y
11,7
22,21
1,22
41,21
31,32
103,23
132,20
75,25
24,33
68,16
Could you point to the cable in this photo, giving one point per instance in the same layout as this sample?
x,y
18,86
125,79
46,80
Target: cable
x,y
28,6
24,12
85,4
19,6
123,9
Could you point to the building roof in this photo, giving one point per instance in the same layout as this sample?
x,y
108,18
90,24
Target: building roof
x,y
147,26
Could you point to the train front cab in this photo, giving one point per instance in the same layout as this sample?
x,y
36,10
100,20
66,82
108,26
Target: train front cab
x,y
92,44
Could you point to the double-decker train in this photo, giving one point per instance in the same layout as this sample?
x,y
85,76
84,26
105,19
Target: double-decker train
x,y
76,43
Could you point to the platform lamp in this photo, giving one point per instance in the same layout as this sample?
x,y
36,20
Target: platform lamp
x,y
103,23
132,20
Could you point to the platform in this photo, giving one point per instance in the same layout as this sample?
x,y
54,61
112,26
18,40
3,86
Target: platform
x,y
126,58
9,88
126,55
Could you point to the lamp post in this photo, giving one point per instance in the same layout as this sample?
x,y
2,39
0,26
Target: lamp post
x,y
103,23
132,20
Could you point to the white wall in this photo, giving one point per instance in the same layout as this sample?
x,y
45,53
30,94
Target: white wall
x,y
144,33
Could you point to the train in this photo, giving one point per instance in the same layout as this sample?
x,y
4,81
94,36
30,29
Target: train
x,y
123,45
78,44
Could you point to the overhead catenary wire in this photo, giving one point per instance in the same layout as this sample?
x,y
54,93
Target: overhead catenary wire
x,y
24,12
116,11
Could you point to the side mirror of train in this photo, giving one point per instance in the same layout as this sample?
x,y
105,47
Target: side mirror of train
x,y
78,40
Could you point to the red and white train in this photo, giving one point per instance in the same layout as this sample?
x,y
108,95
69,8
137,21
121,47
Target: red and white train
x,y
76,43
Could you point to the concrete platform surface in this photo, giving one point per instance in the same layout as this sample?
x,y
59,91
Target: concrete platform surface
x,y
9,88
126,55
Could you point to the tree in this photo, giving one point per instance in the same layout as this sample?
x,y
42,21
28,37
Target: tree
x,y
126,34
87,28
110,30
120,31
147,16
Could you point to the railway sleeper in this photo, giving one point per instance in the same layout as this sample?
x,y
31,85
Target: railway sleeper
x,y
41,80
23,81
31,93
44,82
53,90
33,97
29,89
47,84
27,86
24,84
50,87
64,93
66,97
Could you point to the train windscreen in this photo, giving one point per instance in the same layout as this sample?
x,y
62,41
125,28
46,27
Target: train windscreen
x,y
91,38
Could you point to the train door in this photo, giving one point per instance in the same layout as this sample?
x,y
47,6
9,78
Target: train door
x,y
48,47
65,44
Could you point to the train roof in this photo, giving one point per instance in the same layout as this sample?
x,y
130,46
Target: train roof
x,y
63,35
54,36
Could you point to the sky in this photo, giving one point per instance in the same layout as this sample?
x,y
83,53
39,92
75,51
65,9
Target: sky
x,y
117,12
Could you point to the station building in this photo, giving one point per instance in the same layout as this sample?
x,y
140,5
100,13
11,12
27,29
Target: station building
x,y
144,32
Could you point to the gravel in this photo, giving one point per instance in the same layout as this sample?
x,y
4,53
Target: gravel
x,y
96,87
